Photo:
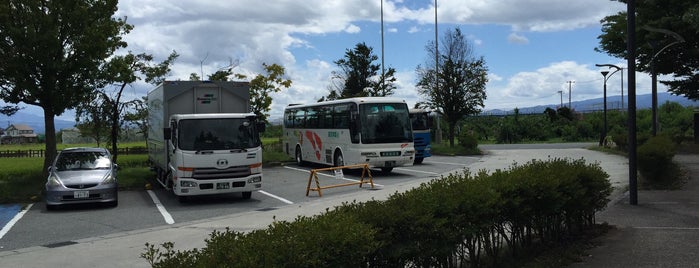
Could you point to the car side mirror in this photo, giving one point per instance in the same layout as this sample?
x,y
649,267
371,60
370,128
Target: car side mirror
x,y
116,167
50,168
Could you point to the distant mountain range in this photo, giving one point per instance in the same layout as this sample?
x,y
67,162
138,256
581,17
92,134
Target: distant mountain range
x,y
613,103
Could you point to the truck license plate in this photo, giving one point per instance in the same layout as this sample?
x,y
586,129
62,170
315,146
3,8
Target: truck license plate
x,y
81,194
222,185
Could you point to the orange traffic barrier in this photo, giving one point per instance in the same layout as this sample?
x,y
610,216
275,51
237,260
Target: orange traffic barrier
x,y
366,178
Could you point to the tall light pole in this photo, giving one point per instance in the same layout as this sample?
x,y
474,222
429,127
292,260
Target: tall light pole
x,y
654,75
604,73
631,63
438,131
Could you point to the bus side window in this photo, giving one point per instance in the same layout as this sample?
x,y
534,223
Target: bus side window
x,y
354,123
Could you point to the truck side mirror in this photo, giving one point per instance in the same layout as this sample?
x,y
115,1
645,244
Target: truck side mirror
x,y
261,127
167,133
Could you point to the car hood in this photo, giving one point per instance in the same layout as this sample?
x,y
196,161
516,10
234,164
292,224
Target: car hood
x,y
82,176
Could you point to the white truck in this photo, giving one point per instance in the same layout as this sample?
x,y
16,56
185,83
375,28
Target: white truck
x,y
203,140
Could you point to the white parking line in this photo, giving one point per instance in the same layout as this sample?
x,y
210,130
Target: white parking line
x,y
446,163
166,215
419,171
14,220
328,175
276,197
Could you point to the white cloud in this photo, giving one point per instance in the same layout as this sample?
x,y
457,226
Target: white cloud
x,y
515,38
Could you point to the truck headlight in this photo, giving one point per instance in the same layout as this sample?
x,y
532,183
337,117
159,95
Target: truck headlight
x,y
254,179
188,184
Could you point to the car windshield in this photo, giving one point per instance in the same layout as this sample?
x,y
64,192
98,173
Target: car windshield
x,y
82,161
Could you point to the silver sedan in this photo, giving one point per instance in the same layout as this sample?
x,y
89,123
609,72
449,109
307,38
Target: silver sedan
x,y
82,175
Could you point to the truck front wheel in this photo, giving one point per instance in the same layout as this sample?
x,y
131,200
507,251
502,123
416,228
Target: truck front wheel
x,y
247,195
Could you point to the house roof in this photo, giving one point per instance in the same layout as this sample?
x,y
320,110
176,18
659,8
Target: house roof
x,y
20,127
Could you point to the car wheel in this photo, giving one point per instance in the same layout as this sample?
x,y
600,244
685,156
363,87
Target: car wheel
x,y
51,207
386,169
182,198
247,195
418,160
113,204
299,158
338,160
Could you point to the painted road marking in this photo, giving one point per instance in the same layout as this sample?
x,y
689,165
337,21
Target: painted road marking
x,y
419,171
166,215
14,220
276,197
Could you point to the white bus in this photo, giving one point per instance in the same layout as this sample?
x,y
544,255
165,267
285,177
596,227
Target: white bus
x,y
372,130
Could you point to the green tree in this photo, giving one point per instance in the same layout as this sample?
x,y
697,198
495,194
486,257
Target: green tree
x,y
458,88
9,110
262,86
220,75
358,76
117,74
680,59
138,115
93,120
51,53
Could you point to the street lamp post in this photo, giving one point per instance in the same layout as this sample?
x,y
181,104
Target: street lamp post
x,y
654,75
606,76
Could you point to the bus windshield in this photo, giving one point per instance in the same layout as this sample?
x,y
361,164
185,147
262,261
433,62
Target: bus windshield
x,y
217,134
419,121
385,123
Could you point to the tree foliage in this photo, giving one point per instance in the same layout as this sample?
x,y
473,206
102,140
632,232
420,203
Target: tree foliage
x,y
262,86
51,54
458,88
119,72
680,59
359,76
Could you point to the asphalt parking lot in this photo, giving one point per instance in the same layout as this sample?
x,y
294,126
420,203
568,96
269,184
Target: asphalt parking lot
x,y
284,185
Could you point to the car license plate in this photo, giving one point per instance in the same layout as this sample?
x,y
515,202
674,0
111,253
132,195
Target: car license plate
x,y
223,185
81,194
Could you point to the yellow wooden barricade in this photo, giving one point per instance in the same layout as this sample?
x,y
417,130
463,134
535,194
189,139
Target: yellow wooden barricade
x,y
314,176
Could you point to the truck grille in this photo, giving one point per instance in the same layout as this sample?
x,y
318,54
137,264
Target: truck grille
x,y
214,173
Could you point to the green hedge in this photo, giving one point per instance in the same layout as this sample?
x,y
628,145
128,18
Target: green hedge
x,y
655,160
458,220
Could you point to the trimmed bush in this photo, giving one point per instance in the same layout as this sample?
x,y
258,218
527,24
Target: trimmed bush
x,y
655,160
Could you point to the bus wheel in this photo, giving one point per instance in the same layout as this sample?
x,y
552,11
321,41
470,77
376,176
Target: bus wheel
x,y
386,169
339,160
418,160
299,158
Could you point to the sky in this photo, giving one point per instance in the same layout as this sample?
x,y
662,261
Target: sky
x,y
532,48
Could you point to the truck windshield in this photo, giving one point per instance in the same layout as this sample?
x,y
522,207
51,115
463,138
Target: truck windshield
x,y
385,123
217,134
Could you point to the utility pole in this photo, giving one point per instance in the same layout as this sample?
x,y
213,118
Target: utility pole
x,y
570,85
561,93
